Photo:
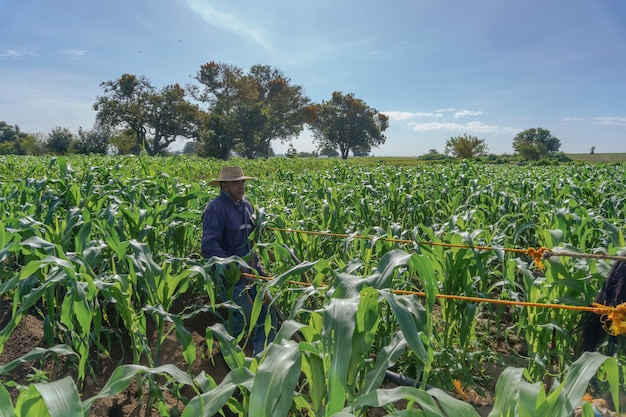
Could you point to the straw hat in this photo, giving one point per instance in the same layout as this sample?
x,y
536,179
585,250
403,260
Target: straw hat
x,y
230,174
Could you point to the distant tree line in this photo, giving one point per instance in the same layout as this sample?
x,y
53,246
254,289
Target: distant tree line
x,y
531,144
225,111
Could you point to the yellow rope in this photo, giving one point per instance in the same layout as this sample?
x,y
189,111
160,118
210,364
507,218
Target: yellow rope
x,y
613,318
537,254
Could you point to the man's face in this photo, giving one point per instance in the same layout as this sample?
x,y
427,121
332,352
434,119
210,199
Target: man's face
x,y
235,188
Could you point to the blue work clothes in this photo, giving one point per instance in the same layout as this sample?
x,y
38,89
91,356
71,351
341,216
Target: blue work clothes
x,y
226,227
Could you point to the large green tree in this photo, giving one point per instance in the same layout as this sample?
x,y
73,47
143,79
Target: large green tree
x,y
465,146
536,143
347,123
156,118
247,111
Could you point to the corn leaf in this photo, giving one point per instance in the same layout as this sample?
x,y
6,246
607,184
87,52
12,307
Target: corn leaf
x,y
275,381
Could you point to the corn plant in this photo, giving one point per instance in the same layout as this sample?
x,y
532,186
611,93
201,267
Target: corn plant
x,y
101,247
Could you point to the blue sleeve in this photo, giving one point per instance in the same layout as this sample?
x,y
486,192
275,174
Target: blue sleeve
x,y
212,231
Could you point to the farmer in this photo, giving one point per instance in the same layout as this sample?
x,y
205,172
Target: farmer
x,y
227,222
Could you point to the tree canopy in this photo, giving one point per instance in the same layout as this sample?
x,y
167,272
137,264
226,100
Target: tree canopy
x,y
156,118
347,123
247,111
59,140
536,143
94,141
465,146
14,141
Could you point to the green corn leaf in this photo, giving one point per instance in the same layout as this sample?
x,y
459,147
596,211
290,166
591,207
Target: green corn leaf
x,y
30,403
275,381
507,393
123,375
209,403
33,355
339,325
385,359
430,408
6,410
61,397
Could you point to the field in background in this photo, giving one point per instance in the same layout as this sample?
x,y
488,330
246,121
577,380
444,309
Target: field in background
x,y
598,157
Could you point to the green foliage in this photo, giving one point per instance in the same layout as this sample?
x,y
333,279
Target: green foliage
x,y
59,140
347,123
535,143
13,141
82,237
514,396
246,112
155,118
94,141
465,146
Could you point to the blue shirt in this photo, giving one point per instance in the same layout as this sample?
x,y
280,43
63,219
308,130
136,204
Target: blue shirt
x,y
226,226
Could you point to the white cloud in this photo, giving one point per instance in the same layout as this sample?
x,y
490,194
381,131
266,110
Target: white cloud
x,y
74,53
465,113
227,21
405,115
17,53
572,119
471,127
610,121
457,114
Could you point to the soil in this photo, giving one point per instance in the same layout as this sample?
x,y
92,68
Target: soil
x,y
29,334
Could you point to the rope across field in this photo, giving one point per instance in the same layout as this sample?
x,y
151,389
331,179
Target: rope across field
x,y
612,316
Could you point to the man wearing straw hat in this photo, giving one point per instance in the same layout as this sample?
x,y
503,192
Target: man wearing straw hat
x,y
227,222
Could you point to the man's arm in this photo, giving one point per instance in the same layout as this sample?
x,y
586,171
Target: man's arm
x,y
212,231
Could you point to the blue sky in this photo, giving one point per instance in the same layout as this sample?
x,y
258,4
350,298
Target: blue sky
x,y
438,69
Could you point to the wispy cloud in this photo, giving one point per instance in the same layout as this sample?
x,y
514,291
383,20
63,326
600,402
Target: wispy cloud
x,y
437,114
572,119
471,127
405,115
73,53
610,121
464,113
228,21
17,53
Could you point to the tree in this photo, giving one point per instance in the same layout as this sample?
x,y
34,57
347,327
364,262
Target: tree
x,y
189,148
124,105
329,152
94,141
13,141
156,118
246,112
59,140
536,143
465,146
125,143
347,123
170,115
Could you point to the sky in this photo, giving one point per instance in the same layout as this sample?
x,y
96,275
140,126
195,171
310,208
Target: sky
x,y
438,68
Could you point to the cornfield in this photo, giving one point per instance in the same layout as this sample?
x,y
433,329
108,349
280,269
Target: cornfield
x,y
102,248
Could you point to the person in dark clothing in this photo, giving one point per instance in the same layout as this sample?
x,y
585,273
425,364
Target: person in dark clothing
x,y
592,330
227,222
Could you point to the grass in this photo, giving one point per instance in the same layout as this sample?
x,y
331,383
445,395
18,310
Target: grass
x,y
598,157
